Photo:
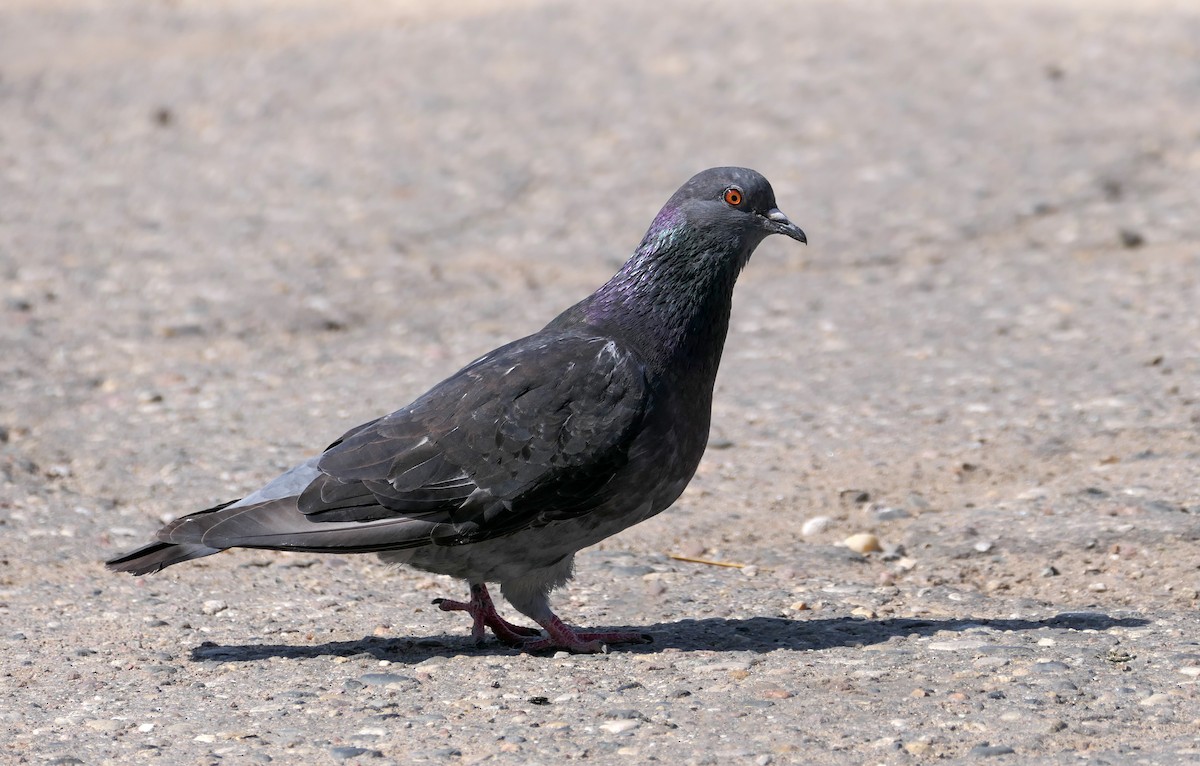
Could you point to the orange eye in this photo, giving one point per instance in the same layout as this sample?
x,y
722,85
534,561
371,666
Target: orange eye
x,y
733,197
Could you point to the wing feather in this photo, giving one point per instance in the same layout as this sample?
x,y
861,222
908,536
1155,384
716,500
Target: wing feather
x,y
531,433
526,436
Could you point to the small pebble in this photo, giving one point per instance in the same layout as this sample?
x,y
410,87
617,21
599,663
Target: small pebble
x,y
724,667
863,542
213,606
623,714
854,496
1131,238
888,513
388,680
986,750
916,748
815,526
346,752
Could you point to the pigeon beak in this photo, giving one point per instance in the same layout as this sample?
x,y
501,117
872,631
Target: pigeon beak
x,y
778,223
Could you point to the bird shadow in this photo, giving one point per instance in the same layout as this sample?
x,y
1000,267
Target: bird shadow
x,y
756,634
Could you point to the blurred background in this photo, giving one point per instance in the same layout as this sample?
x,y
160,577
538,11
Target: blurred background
x,y
231,230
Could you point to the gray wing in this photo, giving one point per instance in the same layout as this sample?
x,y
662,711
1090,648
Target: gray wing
x,y
528,434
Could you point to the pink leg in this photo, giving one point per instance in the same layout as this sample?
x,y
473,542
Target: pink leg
x,y
558,634
561,636
483,615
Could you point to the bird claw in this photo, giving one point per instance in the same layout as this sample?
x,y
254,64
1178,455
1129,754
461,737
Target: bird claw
x,y
562,637
559,636
483,614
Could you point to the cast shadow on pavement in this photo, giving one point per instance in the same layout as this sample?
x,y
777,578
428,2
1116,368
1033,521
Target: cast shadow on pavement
x,y
757,634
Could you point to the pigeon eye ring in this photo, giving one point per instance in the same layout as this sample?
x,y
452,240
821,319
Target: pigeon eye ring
x,y
733,196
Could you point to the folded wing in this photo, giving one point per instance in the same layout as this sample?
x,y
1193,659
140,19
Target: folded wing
x,y
528,434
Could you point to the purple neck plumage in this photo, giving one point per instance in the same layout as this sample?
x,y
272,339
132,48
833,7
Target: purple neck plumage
x,y
672,298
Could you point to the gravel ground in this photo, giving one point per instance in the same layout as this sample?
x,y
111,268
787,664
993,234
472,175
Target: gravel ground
x,y
229,231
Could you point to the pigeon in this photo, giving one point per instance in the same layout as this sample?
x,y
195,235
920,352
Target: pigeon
x,y
542,447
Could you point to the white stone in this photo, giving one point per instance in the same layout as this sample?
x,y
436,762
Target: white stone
x,y
213,606
815,526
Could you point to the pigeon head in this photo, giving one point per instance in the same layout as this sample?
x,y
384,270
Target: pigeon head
x,y
709,228
733,206
672,298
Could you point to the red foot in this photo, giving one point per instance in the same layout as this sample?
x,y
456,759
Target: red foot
x,y
558,635
483,614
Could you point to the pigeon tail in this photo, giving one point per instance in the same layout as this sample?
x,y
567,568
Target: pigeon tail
x,y
158,556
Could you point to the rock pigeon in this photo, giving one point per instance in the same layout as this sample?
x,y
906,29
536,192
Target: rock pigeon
x,y
544,446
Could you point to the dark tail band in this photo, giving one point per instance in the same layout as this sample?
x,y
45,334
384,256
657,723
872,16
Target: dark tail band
x,y
156,556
